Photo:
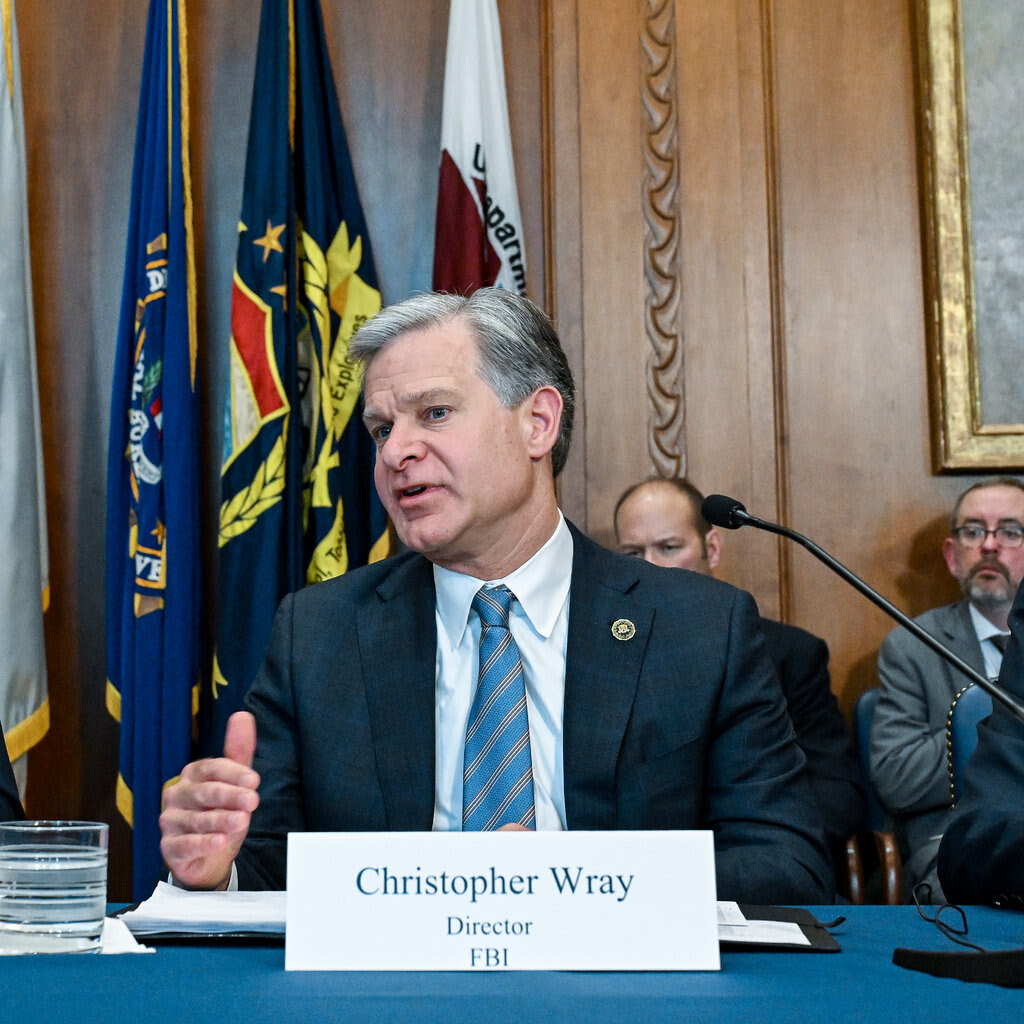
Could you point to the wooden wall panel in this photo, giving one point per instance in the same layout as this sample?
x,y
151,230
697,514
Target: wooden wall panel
x,y
727,275
803,364
563,222
859,465
613,373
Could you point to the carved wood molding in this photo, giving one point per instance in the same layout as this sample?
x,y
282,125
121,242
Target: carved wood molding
x,y
661,203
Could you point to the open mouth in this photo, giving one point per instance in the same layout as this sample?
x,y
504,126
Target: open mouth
x,y
411,492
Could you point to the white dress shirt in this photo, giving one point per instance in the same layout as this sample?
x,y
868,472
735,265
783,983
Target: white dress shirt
x,y
985,630
539,623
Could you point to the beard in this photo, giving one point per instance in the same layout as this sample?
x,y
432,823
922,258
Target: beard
x,y
988,593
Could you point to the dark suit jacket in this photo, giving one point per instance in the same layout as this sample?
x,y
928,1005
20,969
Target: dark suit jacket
x,y
801,660
10,804
682,726
981,856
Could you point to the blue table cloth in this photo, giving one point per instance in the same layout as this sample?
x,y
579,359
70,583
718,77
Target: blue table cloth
x,y
238,985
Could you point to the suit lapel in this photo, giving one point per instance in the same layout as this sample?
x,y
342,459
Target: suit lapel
x,y
962,639
601,675
397,644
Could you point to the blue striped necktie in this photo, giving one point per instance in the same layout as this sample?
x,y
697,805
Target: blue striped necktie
x,y
497,777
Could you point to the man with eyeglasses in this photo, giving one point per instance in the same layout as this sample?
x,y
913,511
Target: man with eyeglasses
x,y
984,552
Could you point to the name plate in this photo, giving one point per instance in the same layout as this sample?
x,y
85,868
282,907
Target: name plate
x,y
501,901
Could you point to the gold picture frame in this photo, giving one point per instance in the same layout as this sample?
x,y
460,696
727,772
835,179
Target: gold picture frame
x,y
966,436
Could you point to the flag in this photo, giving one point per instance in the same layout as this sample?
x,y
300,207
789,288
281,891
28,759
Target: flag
x,y
153,476
479,235
297,498
24,570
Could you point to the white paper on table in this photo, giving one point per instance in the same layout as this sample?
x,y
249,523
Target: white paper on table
x,y
729,913
733,926
171,909
116,938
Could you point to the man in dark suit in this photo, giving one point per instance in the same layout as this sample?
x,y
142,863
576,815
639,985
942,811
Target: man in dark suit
x,y
981,856
10,804
649,705
660,521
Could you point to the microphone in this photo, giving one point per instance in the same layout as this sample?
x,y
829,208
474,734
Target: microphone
x,y
731,514
719,510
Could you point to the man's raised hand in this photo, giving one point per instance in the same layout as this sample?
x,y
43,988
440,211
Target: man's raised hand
x,y
207,811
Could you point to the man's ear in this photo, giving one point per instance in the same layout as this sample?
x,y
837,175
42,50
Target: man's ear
x,y
543,420
713,541
949,554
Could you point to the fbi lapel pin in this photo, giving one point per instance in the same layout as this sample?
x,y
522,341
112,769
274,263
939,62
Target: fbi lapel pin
x,y
623,629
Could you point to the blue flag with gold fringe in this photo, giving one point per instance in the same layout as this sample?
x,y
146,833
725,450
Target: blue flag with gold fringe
x,y
153,569
297,498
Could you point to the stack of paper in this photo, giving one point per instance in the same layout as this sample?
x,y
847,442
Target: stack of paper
x,y
177,912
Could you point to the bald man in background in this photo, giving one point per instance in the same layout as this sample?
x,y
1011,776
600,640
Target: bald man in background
x,y
659,520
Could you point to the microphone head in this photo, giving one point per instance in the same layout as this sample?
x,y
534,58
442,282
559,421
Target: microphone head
x,y
719,510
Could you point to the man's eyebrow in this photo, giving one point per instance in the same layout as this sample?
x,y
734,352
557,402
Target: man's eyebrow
x,y
432,396
414,399
978,521
429,396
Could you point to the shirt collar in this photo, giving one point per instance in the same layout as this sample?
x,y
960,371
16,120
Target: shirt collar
x,y
983,628
541,586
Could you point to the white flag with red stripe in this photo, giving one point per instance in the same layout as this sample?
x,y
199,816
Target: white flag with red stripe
x,y
479,238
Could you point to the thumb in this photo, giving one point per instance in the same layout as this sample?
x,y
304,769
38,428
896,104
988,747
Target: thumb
x,y
240,738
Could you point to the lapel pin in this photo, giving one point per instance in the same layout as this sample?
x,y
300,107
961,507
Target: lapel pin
x,y
623,629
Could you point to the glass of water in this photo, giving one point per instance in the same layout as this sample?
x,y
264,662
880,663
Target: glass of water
x,y
53,886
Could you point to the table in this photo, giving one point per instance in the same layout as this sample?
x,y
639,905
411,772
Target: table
x,y
240,985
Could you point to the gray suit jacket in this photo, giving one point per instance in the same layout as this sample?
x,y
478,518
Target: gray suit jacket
x,y
908,736
682,726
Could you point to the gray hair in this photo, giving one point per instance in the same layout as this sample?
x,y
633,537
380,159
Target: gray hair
x,y
982,485
518,348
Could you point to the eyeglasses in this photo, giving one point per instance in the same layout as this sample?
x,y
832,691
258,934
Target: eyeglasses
x,y
955,930
972,535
